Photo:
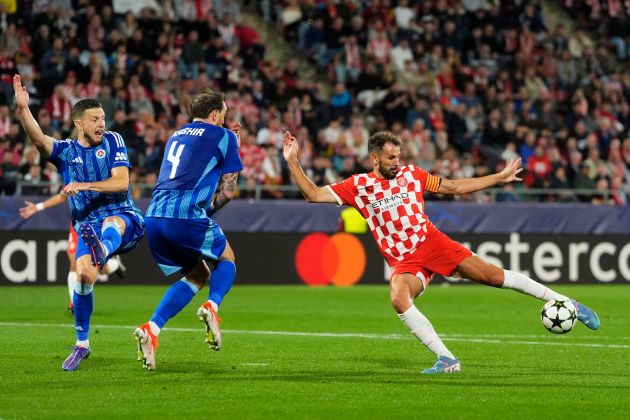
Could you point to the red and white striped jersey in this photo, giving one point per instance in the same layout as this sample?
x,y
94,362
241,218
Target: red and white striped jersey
x,y
394,209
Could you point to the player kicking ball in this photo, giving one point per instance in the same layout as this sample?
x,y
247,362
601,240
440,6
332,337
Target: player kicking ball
x,y
95,169
114,264
197,177
391,199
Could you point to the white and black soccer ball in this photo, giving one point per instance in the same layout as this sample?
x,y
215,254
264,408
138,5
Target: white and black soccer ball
x,y
558,316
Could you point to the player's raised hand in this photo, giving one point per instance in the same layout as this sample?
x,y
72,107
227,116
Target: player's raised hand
x,y
21,94
236,128
28,210
511,171
290,146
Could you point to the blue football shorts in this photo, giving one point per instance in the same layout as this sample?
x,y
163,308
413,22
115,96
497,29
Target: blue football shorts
x,y
134,229
178,244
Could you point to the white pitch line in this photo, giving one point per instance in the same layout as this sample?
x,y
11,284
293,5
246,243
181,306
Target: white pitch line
x,y
454,337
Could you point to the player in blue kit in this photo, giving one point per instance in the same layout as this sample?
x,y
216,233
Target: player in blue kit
x,y
95,169
198,176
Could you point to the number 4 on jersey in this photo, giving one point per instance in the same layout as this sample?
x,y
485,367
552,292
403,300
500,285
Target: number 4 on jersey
x,y
173,157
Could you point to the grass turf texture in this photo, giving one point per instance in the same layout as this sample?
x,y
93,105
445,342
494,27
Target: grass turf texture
x,y
515,368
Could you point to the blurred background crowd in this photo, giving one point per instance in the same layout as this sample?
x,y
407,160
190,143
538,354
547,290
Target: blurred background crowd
x,y
466,84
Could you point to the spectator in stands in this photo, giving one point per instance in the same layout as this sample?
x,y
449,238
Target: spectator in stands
x,y
6,122
271,135
191,58
341,102
10,170
458,66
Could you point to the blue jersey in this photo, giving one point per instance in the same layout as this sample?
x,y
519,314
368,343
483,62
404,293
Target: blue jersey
x,y
76,163
195,158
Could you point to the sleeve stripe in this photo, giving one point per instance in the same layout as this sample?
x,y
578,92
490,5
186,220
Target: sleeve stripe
x,y
118,138
334,194
433,183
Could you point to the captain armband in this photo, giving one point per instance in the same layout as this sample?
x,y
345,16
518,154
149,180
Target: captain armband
x,y
433,183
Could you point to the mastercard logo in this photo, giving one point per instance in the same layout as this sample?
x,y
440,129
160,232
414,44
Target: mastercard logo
x,y
338,259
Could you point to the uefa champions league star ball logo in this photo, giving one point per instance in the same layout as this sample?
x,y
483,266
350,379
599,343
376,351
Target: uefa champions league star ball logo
x,y
100,153
402,182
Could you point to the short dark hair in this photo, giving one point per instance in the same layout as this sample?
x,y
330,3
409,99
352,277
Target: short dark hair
x,y
379,139
83,105
205,101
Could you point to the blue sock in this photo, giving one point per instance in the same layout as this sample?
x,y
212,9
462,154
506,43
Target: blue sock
x,y
221,281
111,237
83,300
175,299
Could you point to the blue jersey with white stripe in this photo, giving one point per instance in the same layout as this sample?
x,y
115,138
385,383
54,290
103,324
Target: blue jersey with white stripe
x,y
195,158
76,163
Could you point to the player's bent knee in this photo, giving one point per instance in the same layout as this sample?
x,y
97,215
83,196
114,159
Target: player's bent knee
x,y
400,296
401,303
118,221
199,274
228,254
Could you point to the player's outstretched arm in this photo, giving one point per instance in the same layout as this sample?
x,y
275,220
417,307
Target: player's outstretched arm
x,y
43,142
311,192
31,208
468,185
117,183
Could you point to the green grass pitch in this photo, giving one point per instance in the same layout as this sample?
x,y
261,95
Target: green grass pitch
x,y
298,352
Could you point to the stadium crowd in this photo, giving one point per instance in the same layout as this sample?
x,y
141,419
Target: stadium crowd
x,y
467,84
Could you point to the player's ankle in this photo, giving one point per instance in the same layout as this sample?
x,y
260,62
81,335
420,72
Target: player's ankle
x,y
154,328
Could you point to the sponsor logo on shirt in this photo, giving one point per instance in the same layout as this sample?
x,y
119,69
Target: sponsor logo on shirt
x,y
120,156
77,160
390,202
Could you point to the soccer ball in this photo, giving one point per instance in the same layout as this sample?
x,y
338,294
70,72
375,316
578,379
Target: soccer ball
x,y
558,316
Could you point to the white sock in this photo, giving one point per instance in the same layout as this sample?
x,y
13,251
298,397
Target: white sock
x,y
422,329
154,328
523,284
84,343
72,280
83,289
112,265
102,277
214,306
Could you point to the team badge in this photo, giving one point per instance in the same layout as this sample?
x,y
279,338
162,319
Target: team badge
x,y
100,153
402,182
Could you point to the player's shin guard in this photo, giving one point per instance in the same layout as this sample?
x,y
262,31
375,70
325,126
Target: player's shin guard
x,y
523,284
175,299
111,237
83,307
72,281
422,329
221,281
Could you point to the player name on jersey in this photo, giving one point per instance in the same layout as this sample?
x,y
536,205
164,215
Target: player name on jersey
x,y
189,131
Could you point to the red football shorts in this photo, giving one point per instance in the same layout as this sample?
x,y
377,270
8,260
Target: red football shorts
x,y
437,254
73,239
